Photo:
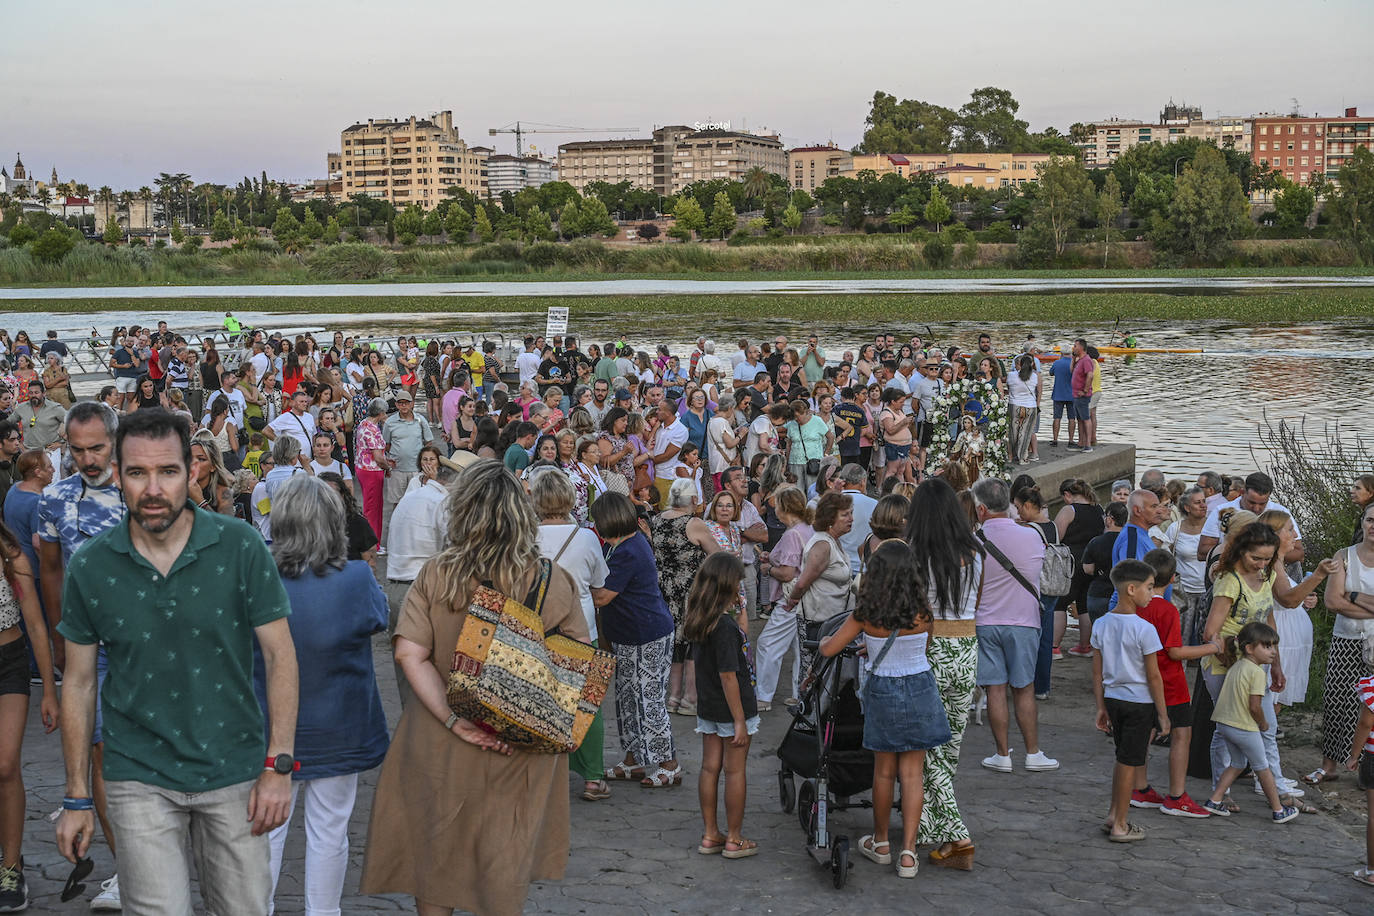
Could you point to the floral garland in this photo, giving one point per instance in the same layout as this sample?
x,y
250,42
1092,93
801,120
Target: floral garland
x,y
995,424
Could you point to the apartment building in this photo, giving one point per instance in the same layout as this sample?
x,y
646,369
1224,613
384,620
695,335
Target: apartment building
x,y
515,173
410,161
809,166
611,161
683,155
986,170
1303,148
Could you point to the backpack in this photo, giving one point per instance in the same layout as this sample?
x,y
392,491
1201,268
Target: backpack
x,y
1056,575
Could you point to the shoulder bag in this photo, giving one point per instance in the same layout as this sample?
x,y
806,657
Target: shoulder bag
x,y
813,465
1005,562
536,690
1056,575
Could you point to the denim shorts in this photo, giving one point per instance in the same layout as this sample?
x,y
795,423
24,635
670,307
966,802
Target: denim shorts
x,y
1006,655
897,452
1064,407
725,729
1243,747
1081,408
904,714
1098,606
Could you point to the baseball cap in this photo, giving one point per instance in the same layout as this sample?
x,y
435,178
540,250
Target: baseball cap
x,y
404,395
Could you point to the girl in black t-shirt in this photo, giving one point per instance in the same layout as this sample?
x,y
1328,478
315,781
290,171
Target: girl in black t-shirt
x,y
727,712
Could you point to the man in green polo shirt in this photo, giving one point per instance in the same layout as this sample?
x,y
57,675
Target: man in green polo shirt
x,y
176,595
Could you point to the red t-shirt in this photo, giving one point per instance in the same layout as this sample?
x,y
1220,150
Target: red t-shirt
x,y
1163,616
154,365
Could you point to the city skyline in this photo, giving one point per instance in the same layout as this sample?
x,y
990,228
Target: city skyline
x,y
125,105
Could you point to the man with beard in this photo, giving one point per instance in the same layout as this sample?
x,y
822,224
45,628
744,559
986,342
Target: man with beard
x,y
39,419
186,735
70,512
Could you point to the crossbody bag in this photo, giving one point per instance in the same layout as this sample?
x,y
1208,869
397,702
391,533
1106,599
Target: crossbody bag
x,y
1005,562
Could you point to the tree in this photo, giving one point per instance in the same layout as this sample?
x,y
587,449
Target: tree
x,y
53,245
409,223
1064,195
485,232
538,226
757,224
1293,205
938,252
903,218
987,123
647,231
220,229
458,223
722,215
596,220
192,244
1352,206
937,210
310,226
792,218
570,220
285,227
175,232
770,214
907,126
802,200
112,235
1108,212
433,224
755,183
332,231
688,218
1209,209
1153,194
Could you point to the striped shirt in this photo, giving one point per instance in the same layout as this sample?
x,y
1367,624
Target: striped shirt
x,y
1364,688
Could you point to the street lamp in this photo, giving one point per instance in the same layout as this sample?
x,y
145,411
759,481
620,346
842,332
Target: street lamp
x,y
1176,162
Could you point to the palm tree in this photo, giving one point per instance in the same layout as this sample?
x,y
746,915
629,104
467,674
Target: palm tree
x,y
755,183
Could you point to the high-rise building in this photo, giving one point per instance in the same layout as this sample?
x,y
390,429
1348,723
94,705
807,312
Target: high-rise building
x,y
683,155
411,161
515,173
1302,148
809,166
611,161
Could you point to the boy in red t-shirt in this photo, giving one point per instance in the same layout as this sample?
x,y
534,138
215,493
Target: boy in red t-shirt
x,y
1164,617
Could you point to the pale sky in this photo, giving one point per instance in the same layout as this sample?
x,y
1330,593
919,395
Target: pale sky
x,y
114,93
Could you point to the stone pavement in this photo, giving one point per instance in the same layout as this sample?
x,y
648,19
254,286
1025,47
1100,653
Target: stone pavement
x,y
1039,849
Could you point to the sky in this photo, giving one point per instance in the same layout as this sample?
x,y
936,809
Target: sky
x,y
114,93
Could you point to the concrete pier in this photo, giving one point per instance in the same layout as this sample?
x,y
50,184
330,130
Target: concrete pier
x,y
1108,461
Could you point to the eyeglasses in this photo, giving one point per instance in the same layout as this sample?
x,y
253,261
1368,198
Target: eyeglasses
x,y
74,888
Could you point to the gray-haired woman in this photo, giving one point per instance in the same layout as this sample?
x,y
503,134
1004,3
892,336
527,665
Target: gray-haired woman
x,y
286,452
336,607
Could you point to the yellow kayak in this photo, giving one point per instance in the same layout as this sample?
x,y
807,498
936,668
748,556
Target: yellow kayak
x,y
1127,351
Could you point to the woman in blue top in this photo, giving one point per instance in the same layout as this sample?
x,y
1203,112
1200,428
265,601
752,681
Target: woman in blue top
x,y
336,607
636,621
697,417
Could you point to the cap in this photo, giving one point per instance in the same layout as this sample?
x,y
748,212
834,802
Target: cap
x,y
404,395
621,394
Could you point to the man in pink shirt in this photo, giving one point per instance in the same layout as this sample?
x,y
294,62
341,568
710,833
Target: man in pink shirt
x,y
1008,624
1083,369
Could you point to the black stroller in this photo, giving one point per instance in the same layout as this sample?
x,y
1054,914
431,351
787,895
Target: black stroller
x,y
824,745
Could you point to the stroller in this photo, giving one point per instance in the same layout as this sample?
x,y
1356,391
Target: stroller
x,y
824,745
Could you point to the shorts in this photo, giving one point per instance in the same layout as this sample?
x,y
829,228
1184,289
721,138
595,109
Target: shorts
x,y
1181,716
897,452
903,714
1007,655
1081,407
14,668
1131,727
1092,401
1364,777
924,432
1098,607
725,729
126,385
1243,747
1064,407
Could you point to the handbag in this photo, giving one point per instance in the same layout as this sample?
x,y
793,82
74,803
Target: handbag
x,y
537,691
1056,575
813,465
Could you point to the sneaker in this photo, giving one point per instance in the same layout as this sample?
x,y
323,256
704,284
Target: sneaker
x,y
1057,654
1183,806
107,901
35,680
1039,763
1075,446
1088,449
1043,696
1079,652
1146,798
1290,787
14,890
999,762
1217,808
1286,815
381,551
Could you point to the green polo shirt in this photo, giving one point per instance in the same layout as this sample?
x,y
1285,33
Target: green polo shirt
x,y
178,703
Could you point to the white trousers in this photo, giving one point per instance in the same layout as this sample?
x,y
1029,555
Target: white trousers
x,y
778,637
328,806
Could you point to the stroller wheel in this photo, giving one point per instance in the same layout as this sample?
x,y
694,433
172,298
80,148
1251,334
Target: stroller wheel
x,y
806,809
839,861
787,792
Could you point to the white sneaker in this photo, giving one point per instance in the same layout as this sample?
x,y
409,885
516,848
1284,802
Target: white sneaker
x,y
999,762
1039,763
1285,787
107,900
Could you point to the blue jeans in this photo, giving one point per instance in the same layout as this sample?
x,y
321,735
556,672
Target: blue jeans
x,y
1045,658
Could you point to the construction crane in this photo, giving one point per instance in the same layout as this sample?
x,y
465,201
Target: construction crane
x,y
519,130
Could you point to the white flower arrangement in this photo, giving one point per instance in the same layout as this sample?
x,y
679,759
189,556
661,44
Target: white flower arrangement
x,y
995,424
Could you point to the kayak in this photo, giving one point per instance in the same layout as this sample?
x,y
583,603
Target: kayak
x,y
1127,351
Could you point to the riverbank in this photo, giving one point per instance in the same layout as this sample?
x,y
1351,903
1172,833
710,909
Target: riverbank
x,y
1288,306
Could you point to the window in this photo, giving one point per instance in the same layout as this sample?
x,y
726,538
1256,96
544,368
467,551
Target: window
x,y
1262,146
1304,178
1307,129
1304,144
1264,128
1290,144
1290,160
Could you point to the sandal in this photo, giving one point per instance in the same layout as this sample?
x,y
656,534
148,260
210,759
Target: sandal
x,y
622,772
1364,876
1133,833
869,849
709,846
1319,776
743,848
907,871
661,778
595,790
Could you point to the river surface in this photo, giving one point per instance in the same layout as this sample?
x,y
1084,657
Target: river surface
x,y
634,287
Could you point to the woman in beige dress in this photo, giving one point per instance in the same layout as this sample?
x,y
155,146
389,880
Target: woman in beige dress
x,y
459,820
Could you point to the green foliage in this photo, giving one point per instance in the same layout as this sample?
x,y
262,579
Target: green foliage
x,y
538,226
52,246
802,200
1000,231
832,219
332,231
1352,206
792,217
595,218
310,226
689,217
433,224
176,232
458,224
907,126
968,252
1208,211
937,210
958,232
1108,210
722,215
647,231
1293,205
988,122
757,224
351,261
938,252
1152,195
23,233
220,229
285,227
1064,195
409,224
192,244
485,231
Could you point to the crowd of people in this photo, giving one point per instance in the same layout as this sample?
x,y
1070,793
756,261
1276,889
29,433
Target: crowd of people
x,y
699,517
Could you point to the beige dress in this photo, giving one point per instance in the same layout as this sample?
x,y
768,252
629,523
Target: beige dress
x,y
453,825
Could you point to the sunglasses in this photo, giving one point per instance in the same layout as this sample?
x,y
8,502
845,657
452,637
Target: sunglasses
x,y
74,888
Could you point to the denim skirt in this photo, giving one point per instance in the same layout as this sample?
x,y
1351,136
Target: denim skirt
x,y
904,714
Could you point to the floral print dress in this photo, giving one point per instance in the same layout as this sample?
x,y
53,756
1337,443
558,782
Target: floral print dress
x,y
678,559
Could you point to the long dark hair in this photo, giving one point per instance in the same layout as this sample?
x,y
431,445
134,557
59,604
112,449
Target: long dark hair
x,y
488,434
714,591
892,595
1252,537
942,541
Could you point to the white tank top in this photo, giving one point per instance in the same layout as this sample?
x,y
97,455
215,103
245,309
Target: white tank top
x,y
907,655
1358,578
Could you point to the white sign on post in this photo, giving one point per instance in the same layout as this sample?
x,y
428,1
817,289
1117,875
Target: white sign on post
x,y
557,322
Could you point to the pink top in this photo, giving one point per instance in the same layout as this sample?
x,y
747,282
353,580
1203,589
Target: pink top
x,y
1083,376
366,439
788,552
1005,601
449,405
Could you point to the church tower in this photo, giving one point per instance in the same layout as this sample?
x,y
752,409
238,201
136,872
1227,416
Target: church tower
x,y
53,182
19,173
